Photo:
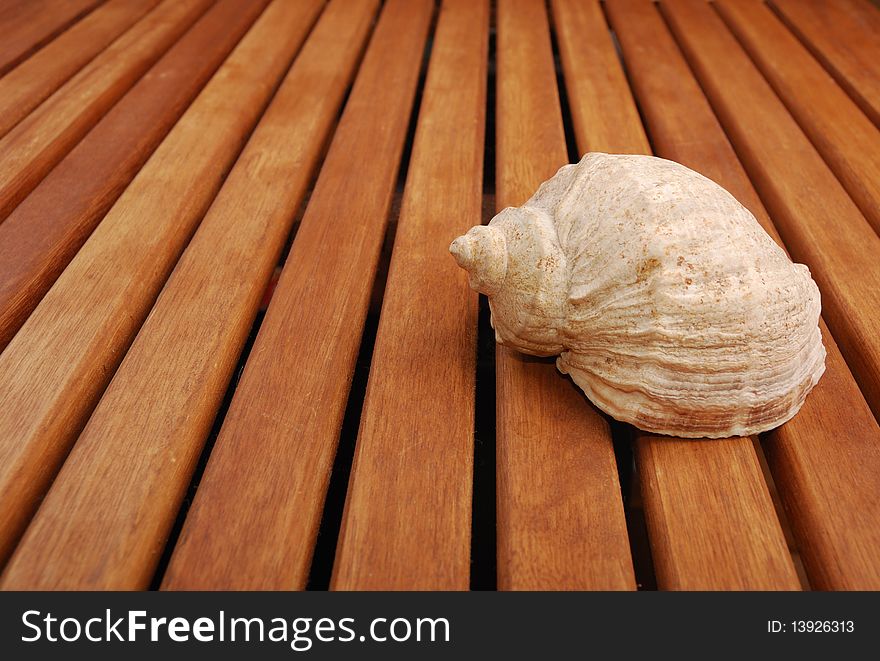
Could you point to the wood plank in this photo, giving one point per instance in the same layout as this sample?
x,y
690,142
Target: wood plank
x,y
267,476
826,465
106,518
709,551
839,130
45,231
824,231
57,366
603,112
694,557
407,518
560,515
29,84
26,25
39,141
843,36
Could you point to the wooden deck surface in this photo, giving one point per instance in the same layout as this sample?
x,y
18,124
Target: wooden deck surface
x,y
235,352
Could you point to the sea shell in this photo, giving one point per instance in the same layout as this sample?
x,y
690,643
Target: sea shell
x,y
668,304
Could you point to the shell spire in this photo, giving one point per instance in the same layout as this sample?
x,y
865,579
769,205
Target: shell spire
x,y
482,252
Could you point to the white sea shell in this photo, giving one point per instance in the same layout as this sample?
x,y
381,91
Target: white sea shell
x,y
670,306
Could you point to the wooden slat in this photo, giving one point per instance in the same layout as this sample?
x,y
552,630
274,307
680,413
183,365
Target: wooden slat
x,y
255,517
603,112
845,36
408,514
29,84
43,233
57,366
109,511
840,131
691,553
826,465
818,221
40,140
719,543
559,509
25,25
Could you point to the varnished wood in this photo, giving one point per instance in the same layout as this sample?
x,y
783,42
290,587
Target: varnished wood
x,y
120,489
820,224
845,36
604,115
694,557
839,130
826,465
559,509
408,513
38,142
753,554
57,366
44,232
705,102
24,88
25,25
255,517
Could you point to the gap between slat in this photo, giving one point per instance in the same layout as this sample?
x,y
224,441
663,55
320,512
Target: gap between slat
x,y
324,553
206,453
484,565
255,328
53,34
574,154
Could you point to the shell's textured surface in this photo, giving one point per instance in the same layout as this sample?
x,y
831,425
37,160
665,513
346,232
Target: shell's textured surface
x,y
666,301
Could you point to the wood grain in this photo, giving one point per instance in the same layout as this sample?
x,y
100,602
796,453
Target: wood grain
x,y
105,519
754,553
604,115
57,366
29,84
818,221
407,517
843,36
839,130
695,557
26,25
39,141
45,231
255,516
826,465
559,509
